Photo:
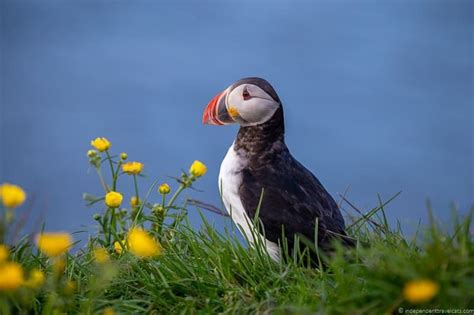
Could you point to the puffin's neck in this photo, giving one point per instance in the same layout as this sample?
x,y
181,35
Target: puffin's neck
x,y
263,138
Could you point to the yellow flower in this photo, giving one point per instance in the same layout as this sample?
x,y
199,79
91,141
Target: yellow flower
x,y
113,199
164,189
123,156
134,201
36,279
54,244
101,144
198,169
4,252
101,255
420,291
118,247
109,311
132,168
12,195
11,276
141,244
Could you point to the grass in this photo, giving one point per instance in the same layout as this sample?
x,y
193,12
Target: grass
x,y
202,271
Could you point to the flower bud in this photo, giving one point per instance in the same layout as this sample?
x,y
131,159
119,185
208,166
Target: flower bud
x,y
95,161
157,209
134,201
123,156
91,153
164,189
96,217
118,247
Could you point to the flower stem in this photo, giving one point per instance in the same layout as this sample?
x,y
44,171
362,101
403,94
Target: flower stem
x,y
112,172
103,222
4,306
176,194
106,226
136,186
142,204
139,204
113,222
115,175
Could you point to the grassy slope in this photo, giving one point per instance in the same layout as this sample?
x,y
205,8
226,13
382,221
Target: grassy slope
x,y
204,272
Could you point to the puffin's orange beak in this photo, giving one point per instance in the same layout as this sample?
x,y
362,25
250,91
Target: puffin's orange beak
x,y
211,112
216,111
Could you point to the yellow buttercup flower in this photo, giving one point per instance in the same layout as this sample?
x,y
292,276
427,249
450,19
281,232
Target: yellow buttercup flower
x,y
118,248
109,311
420,291
101,144
101,255
134,201
11,276
12,196
164,189
198,169
54,244
132,168
4,252
35,280
113,199
141,244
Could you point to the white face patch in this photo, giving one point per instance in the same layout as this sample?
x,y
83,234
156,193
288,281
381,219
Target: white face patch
x,y
253,105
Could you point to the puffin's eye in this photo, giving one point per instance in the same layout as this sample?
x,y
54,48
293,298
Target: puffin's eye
x,y
246,94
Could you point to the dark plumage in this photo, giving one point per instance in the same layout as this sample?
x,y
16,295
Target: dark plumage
x,y
293,198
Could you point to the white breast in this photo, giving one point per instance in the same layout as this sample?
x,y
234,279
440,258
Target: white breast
x,y
230,179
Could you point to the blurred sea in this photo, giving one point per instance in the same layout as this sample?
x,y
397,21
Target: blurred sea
x,y
378,96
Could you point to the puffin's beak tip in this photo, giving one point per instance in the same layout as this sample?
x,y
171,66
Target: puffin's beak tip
x,y
205,118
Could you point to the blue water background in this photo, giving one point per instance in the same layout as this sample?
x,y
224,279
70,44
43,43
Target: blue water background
x,y
378,96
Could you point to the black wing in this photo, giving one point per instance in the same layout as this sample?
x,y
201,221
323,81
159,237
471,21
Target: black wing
x,y
293,199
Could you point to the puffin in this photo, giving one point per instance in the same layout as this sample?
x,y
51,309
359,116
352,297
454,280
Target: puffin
x,y
259,177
